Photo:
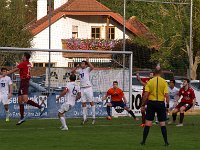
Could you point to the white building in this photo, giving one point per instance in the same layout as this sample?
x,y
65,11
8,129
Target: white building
x,y
82,19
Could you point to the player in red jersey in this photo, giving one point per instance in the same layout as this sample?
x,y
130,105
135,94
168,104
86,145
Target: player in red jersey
x,y
144,81
24,72
188,101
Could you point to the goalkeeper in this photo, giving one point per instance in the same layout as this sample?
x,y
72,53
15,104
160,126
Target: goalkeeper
x,y
117,99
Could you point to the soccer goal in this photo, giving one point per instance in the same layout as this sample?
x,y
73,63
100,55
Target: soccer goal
x,y
51,69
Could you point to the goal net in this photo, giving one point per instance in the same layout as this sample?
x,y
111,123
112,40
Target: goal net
x,y
51,70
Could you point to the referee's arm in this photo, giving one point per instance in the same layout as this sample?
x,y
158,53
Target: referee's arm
x,y
144,98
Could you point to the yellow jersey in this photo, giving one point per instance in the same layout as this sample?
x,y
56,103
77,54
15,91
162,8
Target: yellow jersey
x,y
157,87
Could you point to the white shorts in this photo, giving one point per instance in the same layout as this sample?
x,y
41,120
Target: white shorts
x,y
87,95
171,105
4,99
65,107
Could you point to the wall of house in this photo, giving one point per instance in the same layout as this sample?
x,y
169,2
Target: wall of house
x,y
62,29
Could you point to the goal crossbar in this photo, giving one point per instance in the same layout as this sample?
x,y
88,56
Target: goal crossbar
x,y
65,50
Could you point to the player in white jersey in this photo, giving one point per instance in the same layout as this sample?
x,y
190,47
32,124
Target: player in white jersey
x,y
71,93
5,91
173,93
86,88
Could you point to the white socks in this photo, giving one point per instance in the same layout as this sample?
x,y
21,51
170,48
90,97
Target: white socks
x,y
62,120
84,113
93,112
7,114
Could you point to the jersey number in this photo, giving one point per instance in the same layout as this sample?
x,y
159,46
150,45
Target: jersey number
x,y
82,75
3,84
74,91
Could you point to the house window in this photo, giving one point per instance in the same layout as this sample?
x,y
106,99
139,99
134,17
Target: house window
x,y
112,33
71,64
96,33
38,65
51,64
43,64
74,32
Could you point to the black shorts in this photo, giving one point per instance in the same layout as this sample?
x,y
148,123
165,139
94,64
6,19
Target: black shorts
x,y
120,103
186,105
24,85
156,107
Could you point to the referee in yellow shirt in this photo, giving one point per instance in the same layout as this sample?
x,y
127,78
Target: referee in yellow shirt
x,y
156,91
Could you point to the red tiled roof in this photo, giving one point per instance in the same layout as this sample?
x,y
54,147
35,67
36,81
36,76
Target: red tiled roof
x,y
86,5
143,30
90,8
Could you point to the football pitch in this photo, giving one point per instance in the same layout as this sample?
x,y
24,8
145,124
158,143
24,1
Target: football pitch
x,y
116,134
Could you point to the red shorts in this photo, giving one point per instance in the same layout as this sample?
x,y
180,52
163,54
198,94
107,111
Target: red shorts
x,y
186,105
24,85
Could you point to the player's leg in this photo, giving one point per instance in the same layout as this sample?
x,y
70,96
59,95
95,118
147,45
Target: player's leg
x,y
21,110
109,105
162,117
64,108
32,103
7,112
5,102
89,94
150,114
143,117
182,110
123,105
93,111
84,108
174,113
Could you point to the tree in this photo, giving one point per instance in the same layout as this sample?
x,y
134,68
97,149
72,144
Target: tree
x,y
12,29
170,23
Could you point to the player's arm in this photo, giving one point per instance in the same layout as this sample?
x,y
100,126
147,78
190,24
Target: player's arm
x,y
11,71
74,69
140,80
89,64
78,96
105,97
194,103
144,98
62,94
194,99
124,99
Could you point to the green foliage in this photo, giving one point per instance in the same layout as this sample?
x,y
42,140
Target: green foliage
x,y
170,23
12,29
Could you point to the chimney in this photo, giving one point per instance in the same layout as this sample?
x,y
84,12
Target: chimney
x,y
41,8
58,3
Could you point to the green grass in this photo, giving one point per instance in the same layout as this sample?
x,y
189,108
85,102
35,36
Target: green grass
x,y
117,134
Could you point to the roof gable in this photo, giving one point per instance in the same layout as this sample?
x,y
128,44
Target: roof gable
x,y
85,5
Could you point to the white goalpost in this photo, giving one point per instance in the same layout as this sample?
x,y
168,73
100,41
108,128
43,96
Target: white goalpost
x,y
101,78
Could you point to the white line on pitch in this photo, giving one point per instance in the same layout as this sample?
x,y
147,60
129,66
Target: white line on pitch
x,y
76,126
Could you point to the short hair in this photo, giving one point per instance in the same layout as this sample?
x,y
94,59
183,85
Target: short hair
x,y
85,62
186,79
173,81
157,71
72,77
115,82
2,69
27,55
